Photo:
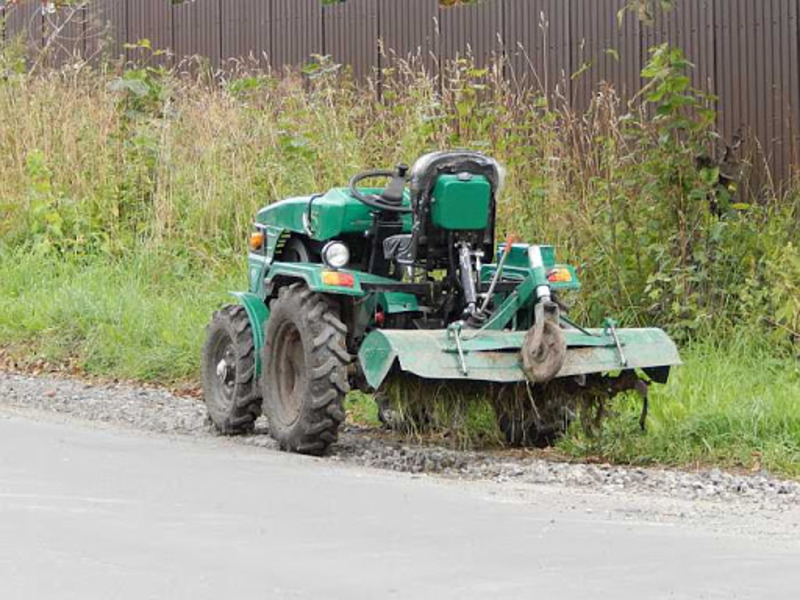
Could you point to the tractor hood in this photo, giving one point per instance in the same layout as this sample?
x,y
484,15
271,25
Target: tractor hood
x,y
494,356
324,216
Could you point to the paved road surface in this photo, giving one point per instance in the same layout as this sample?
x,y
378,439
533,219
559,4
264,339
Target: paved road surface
x,y
93,513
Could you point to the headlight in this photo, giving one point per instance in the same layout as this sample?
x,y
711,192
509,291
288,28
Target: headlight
x,y
335,255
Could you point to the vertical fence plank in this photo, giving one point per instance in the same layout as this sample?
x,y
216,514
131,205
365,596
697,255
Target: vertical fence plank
x,y
350,31
690,27
106,29
470,30
24,22
150,20
245,29
779,35
790,78
296,31
537,42
196,30
64,34
409,29
723,34
603,49
756,73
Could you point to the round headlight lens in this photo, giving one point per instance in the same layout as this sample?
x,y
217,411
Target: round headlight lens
x,y
335,255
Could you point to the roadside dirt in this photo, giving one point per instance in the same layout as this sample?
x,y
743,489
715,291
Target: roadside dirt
x,y
162,412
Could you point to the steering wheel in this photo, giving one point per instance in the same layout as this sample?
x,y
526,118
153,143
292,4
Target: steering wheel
x,y
391,198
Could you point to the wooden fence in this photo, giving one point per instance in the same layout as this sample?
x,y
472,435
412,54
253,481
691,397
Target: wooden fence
x,y
745,51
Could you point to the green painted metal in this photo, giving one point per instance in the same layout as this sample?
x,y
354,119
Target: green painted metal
x,y
494,355
333,214
311,274
517,267
575,284
516,300
257,265
258,313
491,353
274,235
397,302
461,202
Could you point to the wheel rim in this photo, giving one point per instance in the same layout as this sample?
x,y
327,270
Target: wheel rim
x,y
224,365
289,373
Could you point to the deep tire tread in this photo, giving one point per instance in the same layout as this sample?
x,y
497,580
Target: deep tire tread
x,y
322,411
240,415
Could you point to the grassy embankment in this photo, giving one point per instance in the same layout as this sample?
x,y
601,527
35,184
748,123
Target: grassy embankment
x,y
125,201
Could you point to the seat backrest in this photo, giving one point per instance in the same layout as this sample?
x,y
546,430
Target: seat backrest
x,y
428,169
454,192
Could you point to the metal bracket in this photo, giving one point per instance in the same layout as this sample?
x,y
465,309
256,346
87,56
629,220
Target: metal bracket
x,y
564,318
307,215
454,332
611,327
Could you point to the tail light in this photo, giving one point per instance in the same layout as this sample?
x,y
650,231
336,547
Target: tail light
x,y
338,279
559,275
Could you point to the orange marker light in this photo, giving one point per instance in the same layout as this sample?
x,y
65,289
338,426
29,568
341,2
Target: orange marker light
x,y
256,240
559,275
338,279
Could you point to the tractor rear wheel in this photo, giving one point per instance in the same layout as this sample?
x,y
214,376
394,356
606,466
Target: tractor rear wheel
x,y
230,389
304,379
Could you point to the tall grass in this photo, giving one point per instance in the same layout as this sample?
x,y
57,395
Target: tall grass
x,y
735,403
126,195
113,163
141,318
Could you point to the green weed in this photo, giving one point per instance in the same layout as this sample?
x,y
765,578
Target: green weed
x,y
141,319
735,402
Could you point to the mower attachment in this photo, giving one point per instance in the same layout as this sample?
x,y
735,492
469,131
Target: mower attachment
x,y
494,356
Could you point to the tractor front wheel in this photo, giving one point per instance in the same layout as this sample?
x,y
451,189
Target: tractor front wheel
x,y
230,389
304,379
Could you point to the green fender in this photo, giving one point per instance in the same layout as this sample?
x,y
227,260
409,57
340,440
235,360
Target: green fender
x,y
258,313
311,274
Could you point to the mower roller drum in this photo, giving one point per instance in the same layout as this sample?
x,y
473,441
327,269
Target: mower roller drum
x,y
361,284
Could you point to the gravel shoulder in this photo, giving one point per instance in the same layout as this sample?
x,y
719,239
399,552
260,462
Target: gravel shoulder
x,y
507,477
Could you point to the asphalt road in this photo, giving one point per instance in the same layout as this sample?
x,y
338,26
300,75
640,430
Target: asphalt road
x,y
89,512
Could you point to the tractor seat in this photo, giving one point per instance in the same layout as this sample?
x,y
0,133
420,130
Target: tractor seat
x,y
426,171
399,248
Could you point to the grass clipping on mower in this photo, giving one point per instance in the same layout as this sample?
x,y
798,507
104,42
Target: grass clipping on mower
x,y
460,414
482,415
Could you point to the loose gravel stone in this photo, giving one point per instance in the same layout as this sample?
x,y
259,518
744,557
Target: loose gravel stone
x,y
157,410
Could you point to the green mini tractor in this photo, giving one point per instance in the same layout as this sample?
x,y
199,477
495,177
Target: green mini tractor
x,y
360,285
